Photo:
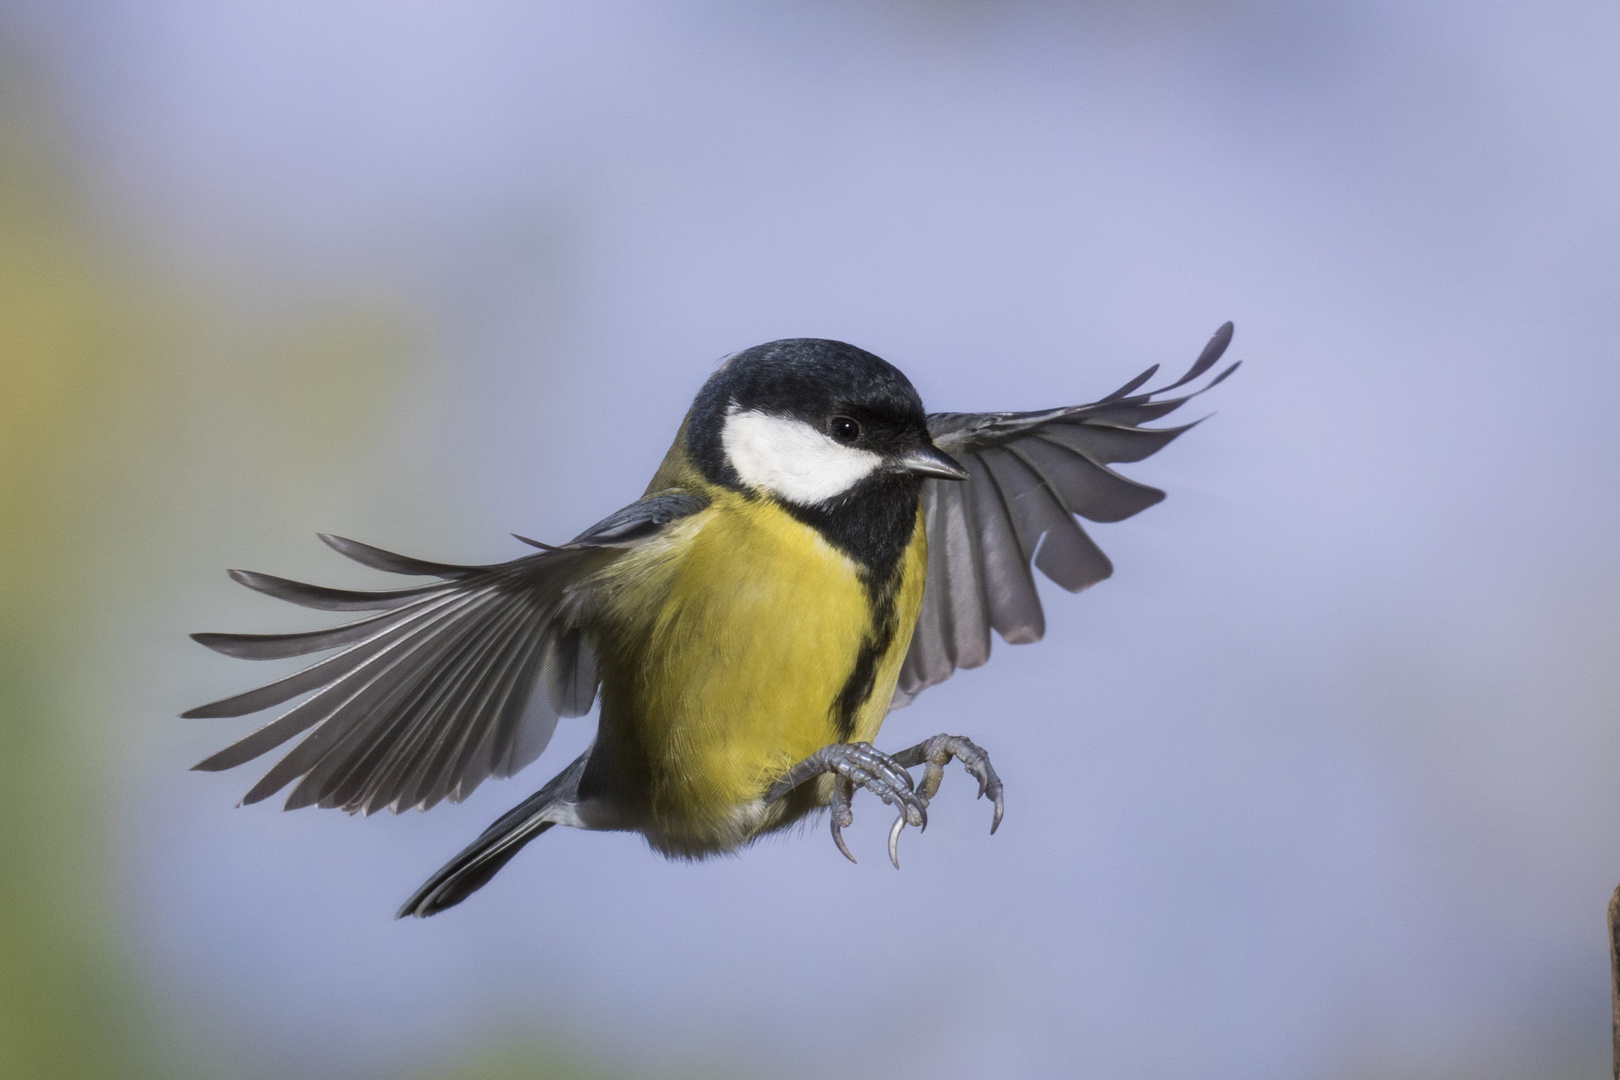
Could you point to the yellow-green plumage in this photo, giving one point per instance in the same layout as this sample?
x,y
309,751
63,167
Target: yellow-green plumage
x,y
724,647
746,624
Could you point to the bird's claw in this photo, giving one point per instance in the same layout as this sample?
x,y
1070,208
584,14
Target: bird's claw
x,y
937,752
861,765
842,814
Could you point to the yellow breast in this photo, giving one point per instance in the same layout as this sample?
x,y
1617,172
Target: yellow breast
x,y
728,647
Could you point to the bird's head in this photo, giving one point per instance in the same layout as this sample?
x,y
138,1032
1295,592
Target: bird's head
x,y
807,421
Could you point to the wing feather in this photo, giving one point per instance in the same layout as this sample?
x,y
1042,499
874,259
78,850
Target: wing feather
x,y
967,607
1044,522
572,677
282,646
406,752
324,599
1015,609
1134,385
466,754
1030,475
1089,489
1112,444
361,737
1030,507
357,699
454,682
390,563
327,672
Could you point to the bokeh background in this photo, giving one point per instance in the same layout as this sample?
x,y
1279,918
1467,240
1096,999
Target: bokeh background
x,y
1323,784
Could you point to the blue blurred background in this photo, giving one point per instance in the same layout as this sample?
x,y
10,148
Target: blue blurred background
x,y
1324,783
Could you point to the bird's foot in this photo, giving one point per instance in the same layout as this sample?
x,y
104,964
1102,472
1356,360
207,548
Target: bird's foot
x,y
937,752
856,765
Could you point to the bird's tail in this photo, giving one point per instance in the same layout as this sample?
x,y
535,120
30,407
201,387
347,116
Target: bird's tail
x,y
481,860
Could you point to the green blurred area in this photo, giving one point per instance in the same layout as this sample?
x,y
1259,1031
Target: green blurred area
x,y
85,353
118,379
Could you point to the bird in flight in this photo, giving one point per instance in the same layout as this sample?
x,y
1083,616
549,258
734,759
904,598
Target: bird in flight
x,y
814,551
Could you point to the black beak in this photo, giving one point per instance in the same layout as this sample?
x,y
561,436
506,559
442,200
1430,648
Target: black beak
x,y
930,460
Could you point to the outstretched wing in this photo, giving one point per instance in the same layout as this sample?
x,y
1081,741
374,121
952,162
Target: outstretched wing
x,y
455,681
1031,473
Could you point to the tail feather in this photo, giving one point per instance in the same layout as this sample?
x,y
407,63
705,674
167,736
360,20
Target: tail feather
x,y
481,860
468,872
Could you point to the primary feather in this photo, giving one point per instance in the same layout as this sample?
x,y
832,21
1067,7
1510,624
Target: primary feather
x,y
455,682
1031,473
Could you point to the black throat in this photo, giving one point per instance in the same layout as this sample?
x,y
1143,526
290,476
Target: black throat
x,y
872,523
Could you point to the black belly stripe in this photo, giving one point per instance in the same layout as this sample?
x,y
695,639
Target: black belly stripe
x,y
873,523
874,646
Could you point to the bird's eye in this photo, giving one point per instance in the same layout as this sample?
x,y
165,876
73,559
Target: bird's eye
x,y
843,429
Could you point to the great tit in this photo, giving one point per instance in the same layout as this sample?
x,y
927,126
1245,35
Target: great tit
x,y
814,551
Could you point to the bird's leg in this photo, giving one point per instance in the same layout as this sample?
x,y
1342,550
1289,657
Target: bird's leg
x,y
863,765
856,765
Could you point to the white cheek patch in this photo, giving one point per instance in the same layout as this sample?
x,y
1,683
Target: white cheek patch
x,y
790,459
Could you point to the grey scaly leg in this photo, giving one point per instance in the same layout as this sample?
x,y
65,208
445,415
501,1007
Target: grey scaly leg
x,y
863,765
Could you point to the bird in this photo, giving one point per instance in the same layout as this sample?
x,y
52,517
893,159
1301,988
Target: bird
x,y
813,552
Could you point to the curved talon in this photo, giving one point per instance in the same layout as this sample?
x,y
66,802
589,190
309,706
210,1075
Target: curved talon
x,y
937,752
861,765
838,838
1001,807
842,814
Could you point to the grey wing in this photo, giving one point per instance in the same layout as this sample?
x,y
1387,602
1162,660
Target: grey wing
x,y
1030,474
453,682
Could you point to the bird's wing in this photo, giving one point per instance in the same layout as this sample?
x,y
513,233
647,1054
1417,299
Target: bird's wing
x,y
454,681
1030,473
